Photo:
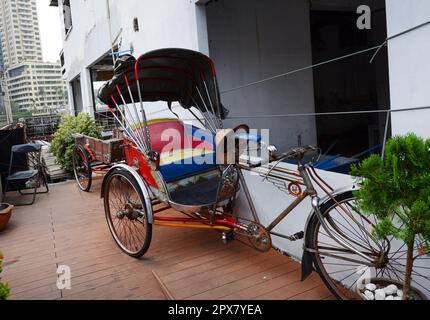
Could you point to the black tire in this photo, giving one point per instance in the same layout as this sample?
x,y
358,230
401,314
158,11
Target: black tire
x,y
82,168
340,269
127,216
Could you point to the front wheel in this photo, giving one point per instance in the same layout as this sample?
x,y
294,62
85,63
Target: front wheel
x,y
342,268
82,168
126,213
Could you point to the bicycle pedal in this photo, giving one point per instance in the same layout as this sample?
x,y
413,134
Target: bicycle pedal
x,y
297,236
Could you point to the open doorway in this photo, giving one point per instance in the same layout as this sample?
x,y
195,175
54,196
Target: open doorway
x,y
100,72
351,84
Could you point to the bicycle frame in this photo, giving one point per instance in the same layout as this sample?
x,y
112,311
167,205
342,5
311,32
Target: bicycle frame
x,y
307,174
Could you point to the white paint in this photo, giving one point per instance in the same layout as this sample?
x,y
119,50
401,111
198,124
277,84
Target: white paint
x,y
163,24
409,65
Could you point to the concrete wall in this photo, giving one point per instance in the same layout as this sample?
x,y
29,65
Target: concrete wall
x,y
250,40
409,65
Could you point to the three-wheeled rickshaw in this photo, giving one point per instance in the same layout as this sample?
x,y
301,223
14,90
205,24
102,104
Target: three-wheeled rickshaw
x,y
197,169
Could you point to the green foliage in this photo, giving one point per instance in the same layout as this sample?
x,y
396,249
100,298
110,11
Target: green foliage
x,y
4,287
63,143
397,191
398,185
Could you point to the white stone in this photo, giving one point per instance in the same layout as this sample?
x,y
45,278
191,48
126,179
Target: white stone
x,y
397,298
369,295
391,289
389,298
379,294
399,293
370,287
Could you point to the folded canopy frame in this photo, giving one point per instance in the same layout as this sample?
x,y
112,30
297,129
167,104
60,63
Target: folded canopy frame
x,y
169,75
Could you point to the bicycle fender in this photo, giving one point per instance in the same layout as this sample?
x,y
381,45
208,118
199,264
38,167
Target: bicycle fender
x,y
141,184
307,262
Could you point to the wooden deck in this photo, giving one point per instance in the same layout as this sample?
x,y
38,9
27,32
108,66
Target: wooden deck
x,y
67,227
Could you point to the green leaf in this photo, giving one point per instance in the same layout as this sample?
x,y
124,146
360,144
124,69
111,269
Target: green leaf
x,y
63,143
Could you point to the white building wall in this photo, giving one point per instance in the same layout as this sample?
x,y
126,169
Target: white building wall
x,y
100,24
162,24
250,40
409,65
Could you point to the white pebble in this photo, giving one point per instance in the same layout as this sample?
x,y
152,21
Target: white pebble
x,y
370,287
391,289
399,293
397,298
379,294
369,295
389,298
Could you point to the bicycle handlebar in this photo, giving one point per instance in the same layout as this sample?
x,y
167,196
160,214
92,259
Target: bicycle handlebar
x,y
296,153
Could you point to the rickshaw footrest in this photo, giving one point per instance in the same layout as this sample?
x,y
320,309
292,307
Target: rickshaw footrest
x,y
228,236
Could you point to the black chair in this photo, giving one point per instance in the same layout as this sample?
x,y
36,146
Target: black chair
x,y
26,171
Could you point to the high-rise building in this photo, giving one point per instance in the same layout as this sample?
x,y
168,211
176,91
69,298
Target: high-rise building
x,y
19,27
33,85
37,87
1,61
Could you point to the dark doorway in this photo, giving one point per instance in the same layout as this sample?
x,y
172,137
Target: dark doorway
x,y
77,95
101,72
352,84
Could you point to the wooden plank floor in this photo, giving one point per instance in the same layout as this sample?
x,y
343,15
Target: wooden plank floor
x,y
67,227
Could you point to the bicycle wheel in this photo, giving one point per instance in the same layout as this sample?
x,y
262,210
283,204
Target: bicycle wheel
x,y
126,213
341,268
82,168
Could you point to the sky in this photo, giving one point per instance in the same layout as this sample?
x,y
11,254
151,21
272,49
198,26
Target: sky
x,y
50,30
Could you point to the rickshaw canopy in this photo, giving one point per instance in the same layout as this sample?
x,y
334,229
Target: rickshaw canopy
x,y
170,75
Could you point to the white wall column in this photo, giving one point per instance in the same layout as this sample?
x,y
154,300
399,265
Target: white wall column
x,y
409,65
202,29
71,98
87,94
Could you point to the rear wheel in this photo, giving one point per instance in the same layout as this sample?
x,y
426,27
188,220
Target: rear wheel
x,y
82,168
126,213
341,268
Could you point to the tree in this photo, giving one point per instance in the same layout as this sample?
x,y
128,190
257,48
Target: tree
x,y
63,143
397,188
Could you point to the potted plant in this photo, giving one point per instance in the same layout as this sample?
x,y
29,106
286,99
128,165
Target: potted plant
x,y
397,188
4,287
5,214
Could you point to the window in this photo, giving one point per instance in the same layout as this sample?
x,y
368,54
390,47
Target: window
x,y
67,13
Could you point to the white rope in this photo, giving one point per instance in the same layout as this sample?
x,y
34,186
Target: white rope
x,y
300,69
377,49
334,113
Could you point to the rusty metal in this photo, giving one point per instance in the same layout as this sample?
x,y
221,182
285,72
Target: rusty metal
x,y
105,151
